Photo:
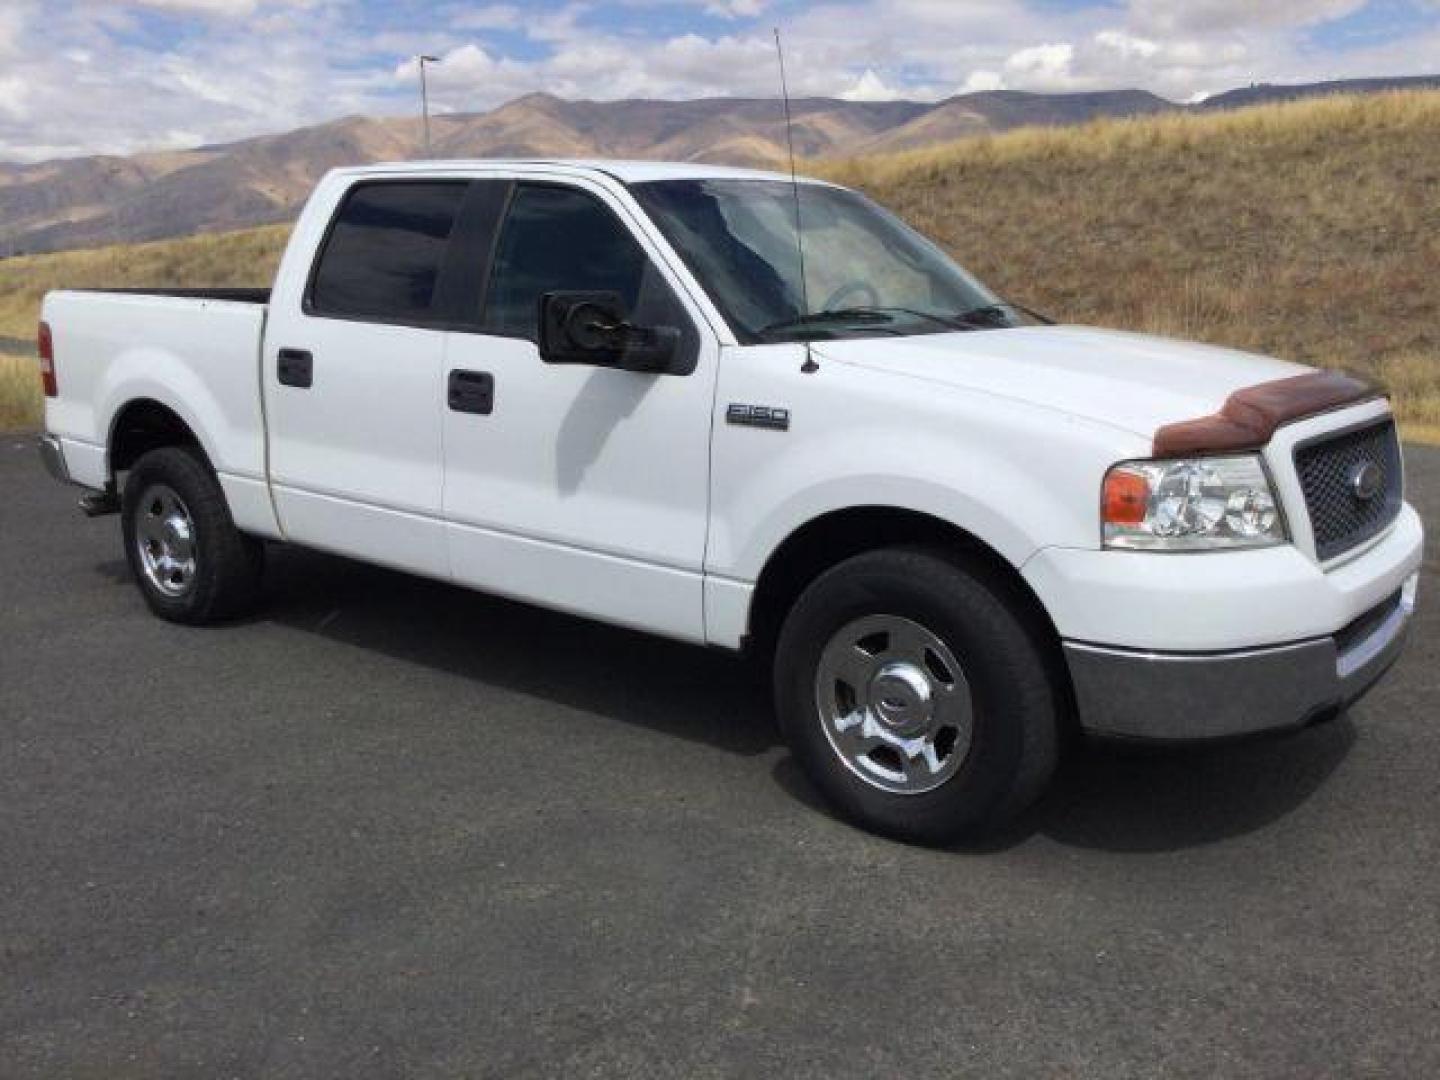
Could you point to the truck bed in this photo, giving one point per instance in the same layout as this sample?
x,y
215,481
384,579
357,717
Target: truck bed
x,y
194,351
231,295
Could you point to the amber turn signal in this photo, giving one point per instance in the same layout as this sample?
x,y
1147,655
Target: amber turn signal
x,y
1125,499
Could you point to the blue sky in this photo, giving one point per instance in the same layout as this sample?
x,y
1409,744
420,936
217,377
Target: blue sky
x,y
117,76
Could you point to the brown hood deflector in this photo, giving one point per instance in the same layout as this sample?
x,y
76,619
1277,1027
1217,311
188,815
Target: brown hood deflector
x,y
1250,416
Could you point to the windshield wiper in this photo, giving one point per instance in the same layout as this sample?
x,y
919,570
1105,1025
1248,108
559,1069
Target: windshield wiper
x,y
928,316
993,316
863,315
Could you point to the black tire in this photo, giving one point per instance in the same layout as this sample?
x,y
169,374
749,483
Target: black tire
x,y
228,565
1014,719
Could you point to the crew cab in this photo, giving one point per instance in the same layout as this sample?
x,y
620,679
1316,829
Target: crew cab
x,y
742,410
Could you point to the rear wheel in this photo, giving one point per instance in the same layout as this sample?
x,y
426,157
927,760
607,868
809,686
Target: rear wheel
x,y
191,563
917,696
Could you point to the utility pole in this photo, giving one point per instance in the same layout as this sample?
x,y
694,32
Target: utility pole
x,y
425,98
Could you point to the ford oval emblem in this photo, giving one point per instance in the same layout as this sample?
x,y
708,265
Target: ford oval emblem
x,y
1366,480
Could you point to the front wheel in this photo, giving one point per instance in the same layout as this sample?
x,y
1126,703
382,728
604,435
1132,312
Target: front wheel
x,y
191,563
917,696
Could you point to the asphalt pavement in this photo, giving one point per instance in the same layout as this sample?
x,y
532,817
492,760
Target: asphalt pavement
x,y
390,828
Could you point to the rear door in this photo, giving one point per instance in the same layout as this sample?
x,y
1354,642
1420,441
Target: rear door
x,y
354,383
583,488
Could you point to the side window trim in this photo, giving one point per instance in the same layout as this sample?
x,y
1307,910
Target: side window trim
x,y
483,323
470,258
447,262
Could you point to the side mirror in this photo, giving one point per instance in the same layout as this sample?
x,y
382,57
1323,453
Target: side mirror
x,y
592,328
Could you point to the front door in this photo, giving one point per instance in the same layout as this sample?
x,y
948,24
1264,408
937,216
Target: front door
x,y
579,487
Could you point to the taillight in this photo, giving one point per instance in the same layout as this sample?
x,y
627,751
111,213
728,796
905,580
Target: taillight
x,y
47,361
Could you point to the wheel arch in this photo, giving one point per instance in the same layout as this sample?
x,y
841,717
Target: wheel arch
x,y
143,424
831,538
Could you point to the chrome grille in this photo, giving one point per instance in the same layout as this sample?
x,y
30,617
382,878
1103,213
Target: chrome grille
x,y
1330,470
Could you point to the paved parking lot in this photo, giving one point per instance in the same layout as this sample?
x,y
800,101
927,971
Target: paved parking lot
x,y
390,828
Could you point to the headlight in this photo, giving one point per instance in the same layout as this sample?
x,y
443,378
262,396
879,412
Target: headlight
x,y
1194,504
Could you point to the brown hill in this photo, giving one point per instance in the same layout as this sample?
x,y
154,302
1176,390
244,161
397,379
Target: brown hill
x,y
1304,230
1004,110
670,130
93,201
87,202
105,200
1272,93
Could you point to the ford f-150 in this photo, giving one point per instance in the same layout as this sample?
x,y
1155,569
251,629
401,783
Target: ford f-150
x,y
625,390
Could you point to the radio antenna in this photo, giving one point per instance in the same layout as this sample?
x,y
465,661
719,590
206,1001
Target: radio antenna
x,y
809,366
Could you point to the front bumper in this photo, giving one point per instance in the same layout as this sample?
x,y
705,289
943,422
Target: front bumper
x,y
1132,694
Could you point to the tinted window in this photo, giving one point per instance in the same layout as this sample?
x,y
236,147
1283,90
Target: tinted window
x,y
385,250
558,239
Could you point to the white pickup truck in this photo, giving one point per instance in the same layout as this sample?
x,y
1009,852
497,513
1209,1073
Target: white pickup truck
x,y
623,390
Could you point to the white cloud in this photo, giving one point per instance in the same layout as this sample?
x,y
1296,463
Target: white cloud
x,y
982,81
14,96
870,87
1211,16
12,26
1042,66
244,67
221,81
228,8
489,17
225,9
1127,45
735,9
123,14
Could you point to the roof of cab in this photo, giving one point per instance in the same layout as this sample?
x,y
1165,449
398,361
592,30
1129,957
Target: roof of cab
x,y
628,172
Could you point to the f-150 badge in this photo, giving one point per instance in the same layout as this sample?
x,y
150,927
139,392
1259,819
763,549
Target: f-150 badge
x,y
761,416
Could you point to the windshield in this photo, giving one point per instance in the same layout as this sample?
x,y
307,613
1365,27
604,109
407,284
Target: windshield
x,y
866,272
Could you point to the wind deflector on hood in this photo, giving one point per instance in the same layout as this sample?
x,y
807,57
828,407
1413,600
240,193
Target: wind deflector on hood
x,y
1250,416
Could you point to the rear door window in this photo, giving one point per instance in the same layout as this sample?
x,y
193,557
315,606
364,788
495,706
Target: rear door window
x,y
386,251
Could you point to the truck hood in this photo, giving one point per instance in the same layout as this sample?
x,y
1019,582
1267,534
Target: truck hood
x,y
1130,381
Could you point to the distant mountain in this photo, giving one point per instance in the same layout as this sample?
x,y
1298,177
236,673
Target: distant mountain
x,y
86,202
1001,110
733,130
1263,93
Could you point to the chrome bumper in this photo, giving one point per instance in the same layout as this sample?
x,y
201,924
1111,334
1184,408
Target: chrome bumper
x,y
53,455
1123,693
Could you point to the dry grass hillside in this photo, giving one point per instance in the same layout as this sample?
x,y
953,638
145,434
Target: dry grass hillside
x,y
1307,230
241,258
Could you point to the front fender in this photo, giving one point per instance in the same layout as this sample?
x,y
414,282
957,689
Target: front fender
x,y
1016,476
1017,479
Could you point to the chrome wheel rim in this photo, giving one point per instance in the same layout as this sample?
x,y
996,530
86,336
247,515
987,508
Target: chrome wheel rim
x,y
895,704
165,541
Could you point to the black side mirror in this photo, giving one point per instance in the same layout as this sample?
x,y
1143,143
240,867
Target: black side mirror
x,y
592,328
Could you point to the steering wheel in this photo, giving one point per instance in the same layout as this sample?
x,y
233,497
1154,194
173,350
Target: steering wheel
x,y
855,285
